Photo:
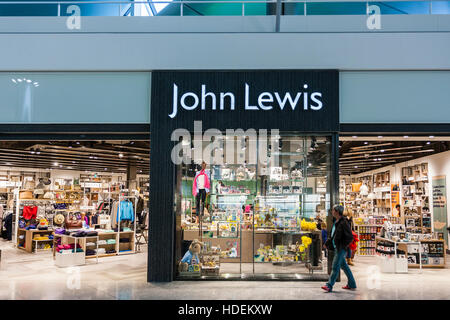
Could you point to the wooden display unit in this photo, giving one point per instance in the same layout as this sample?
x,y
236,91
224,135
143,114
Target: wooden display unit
x,y
126,247
27,242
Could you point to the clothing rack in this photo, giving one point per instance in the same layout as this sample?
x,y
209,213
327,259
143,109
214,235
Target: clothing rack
x,y
17,213
124,198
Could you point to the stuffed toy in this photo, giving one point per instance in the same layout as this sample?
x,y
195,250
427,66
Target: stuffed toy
x,y
191,257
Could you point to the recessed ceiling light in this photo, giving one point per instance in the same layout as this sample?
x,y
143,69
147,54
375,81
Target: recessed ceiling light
x,y
356,167
379,137
382,150
428,142
120,155
28,80
14,80
55,163
365,142
20,80
431,137
33,152
354,137
406,137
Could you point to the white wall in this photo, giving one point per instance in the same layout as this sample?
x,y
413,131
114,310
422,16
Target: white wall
x,y
438,165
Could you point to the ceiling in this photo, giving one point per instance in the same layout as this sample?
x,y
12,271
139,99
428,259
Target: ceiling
x,y
359,154
96,156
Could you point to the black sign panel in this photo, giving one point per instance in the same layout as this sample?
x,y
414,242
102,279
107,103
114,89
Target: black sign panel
x,y
305,101
301,101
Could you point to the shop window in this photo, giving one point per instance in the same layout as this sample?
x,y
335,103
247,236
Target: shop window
x,y
259,217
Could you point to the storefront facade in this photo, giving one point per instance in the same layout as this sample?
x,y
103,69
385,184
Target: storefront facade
x,y
163,101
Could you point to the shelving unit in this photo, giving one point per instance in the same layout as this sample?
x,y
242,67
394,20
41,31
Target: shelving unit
x,y
360,204
416,198
382,194
367,235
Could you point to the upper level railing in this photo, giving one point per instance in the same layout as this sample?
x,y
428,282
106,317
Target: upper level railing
x,y
220,8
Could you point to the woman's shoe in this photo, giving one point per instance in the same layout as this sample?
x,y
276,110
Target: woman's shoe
x,y
326,288
346,287
349,262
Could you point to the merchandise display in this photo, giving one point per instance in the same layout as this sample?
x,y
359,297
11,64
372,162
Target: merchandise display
x,y
415,195
255,218
385,195
74,193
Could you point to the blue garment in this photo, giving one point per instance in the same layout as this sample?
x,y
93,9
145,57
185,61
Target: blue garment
x,y
338,263
332,233
126,211
189,258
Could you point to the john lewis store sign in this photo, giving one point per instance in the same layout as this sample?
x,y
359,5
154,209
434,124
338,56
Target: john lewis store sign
x,y
287,100
265,100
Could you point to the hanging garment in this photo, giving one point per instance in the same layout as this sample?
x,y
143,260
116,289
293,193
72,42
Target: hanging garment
x,y
126,211
114,210
140,205
7,222
30,212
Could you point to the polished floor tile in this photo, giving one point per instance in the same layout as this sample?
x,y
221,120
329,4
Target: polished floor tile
x,y
34,276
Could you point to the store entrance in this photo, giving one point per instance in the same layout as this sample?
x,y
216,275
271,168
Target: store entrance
x,y
261,219
73,202
394,189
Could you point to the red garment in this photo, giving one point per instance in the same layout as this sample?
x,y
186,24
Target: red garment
x,y
354,243
30,212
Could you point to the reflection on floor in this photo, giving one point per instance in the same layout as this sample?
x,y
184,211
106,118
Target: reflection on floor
x,y
34,276
267,268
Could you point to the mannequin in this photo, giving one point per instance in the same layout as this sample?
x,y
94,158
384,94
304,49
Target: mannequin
x,y
200,188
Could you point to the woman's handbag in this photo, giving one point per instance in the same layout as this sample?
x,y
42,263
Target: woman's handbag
x,y
73,223
329,244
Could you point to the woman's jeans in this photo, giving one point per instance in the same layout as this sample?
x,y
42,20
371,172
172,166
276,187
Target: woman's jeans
x,y
338,263
349,253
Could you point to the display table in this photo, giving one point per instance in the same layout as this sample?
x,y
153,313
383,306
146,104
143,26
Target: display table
x,y
244,243
26,243
76,258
